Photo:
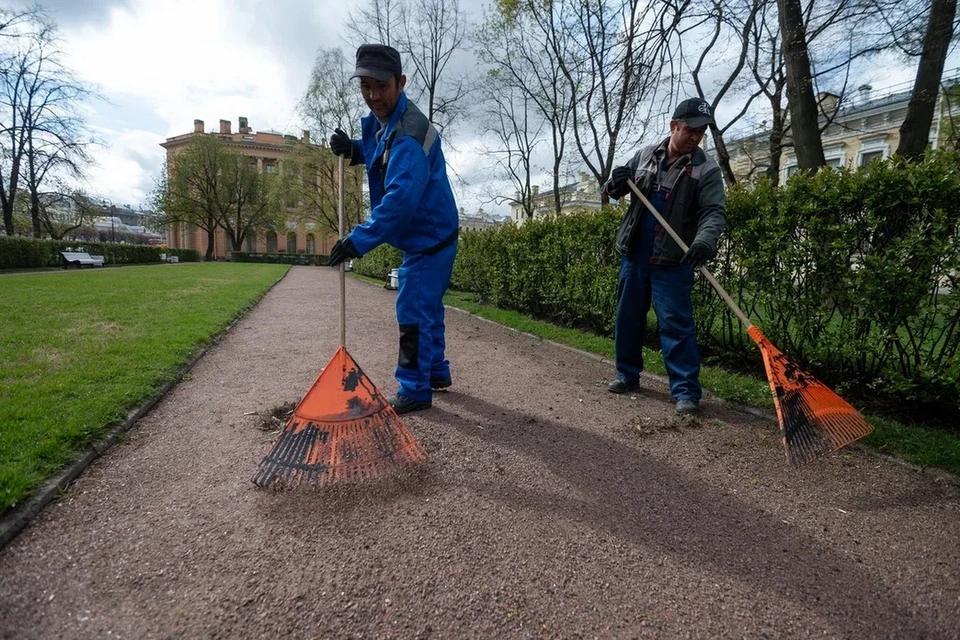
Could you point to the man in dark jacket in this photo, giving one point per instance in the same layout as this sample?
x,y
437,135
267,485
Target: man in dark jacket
x,y
685,186
412,209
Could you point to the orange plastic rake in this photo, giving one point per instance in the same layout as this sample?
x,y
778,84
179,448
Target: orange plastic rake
x,y
343,428
813,419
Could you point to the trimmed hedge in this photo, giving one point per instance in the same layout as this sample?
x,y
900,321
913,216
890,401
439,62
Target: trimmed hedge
x,y
18,252
854,274
310,259
378,263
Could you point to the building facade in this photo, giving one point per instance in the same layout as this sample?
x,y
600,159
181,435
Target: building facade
x,y
267,149
584,194
862,128
482,220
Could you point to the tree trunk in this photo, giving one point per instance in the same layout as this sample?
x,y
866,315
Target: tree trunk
x,y
35,216
211,230
803,104
775,139
723,156
915,130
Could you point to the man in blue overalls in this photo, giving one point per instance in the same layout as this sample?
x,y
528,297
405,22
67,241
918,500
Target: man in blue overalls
x,y
685,186
412,209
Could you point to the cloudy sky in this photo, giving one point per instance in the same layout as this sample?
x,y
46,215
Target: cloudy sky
x,y
159,64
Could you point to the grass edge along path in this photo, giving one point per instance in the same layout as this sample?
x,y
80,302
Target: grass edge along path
x,y
118,339
915,444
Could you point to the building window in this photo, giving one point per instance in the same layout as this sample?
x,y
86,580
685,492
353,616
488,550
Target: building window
x,y
291,243
311,243
269,168
251,242
866,157
873,148
271,242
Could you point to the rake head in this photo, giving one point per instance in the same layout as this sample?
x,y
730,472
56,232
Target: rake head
x,y
342,430
813,419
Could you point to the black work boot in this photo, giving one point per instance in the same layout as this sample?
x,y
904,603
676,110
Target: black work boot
x,y
440,383
622,385
403,404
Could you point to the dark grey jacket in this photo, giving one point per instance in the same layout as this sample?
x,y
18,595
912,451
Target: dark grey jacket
x,y
696,204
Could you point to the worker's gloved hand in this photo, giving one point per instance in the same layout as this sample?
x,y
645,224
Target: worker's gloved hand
x,y
342,250
618,181
342,145
697,255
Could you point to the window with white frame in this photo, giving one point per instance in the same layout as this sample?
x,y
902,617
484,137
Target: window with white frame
x,y
834,156
872,149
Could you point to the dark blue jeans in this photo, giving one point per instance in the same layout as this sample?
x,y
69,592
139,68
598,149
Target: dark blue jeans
x,y
670,288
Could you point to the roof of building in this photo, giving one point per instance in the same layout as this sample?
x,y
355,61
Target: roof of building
x,y
856,105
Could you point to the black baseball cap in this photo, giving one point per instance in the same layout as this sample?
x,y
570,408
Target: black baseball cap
x,y
377,61
696,112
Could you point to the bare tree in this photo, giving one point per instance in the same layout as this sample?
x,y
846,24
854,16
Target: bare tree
x,y
732,23
42,131
430,34
614,64
915,130
331,99
434,31
380,21
515,44
510,117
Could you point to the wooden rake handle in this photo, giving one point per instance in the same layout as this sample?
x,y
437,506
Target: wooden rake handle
x,y
706,274
343,275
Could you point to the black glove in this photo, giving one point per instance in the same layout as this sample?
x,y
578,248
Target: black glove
x,y
697,254
342,250
617,187
342,145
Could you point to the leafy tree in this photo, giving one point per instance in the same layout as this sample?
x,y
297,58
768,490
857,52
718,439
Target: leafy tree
x,y
309,182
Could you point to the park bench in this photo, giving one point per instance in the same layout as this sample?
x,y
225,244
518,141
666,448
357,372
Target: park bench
x,y
80,259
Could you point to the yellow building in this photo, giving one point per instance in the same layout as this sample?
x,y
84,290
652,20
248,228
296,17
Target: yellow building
x,y
267,149
864,126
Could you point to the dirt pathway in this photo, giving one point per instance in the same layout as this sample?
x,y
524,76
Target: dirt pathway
x,y
549,508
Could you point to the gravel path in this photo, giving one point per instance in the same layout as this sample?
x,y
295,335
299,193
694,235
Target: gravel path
x,y
549,508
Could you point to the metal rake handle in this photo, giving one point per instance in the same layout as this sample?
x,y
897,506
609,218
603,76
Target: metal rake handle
x,y
706,274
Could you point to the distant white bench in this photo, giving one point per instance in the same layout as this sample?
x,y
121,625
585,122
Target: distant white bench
x,y
79,260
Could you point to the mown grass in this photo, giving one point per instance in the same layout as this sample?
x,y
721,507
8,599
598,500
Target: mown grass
x,y
79,349
911,442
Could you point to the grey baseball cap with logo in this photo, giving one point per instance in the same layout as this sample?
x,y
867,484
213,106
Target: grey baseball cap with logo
x,y
377,61
696,112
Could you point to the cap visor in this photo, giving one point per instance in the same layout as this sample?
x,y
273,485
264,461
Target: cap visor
x,y
697,122
376,74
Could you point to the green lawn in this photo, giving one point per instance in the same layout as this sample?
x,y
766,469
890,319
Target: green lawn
x,y
79,349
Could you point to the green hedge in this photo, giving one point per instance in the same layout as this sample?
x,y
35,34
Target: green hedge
x,y
312,259
379,262
18,252
854,274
